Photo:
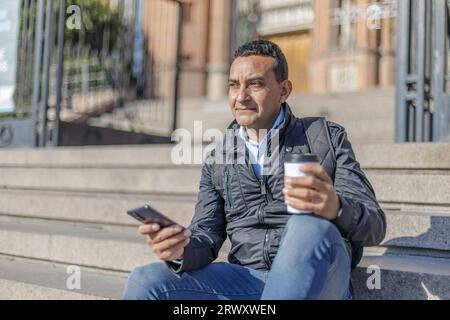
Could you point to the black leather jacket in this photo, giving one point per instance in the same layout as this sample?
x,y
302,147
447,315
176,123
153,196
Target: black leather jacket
x,y
254,220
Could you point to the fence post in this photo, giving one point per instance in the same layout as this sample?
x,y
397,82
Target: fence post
x,y
401,71
441,111
46,80
177,65
37,66
59,72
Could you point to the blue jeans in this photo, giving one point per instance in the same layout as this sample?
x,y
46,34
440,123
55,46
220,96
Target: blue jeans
x,y
312,262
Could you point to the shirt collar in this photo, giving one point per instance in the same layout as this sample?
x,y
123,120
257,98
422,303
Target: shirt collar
x,y
278,122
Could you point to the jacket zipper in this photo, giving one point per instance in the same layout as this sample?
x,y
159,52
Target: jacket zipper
x,y
262,184
259,214
263,187
264,191
227,178
266,257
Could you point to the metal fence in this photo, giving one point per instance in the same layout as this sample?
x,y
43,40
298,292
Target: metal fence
x,y
423,71
94,72
17,125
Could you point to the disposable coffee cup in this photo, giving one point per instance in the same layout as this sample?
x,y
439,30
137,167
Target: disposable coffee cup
x,y
292,168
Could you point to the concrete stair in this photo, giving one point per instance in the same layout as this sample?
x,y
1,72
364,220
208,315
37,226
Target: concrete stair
x,y
61,207
90,207
33,279
403,276
71,244
368,116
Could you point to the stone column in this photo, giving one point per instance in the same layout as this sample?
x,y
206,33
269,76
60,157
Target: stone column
x,y
320,42
218,49
387,63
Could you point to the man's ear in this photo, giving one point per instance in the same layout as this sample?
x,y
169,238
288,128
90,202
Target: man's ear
x,y
286,90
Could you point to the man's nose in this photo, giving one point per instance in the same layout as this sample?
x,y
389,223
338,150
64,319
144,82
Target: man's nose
x,y
243,95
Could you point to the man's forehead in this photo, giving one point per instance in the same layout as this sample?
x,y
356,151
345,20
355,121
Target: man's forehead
x,y
252,66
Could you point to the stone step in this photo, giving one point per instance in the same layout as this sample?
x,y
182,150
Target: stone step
x,y
418,229
120,251
424,187
368,132
407,226
103,156
385,156
97,246
24,279
362,104
348,98
415,187
85,247
346,113
102,209
132,180
402,277
404,156
365,104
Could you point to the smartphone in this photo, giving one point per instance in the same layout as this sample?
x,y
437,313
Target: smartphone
x,y
147,214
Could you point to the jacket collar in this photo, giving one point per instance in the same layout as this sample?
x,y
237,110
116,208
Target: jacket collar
x,y
288,117
283,129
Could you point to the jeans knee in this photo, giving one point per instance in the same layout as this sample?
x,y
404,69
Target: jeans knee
x,y
312,229
144,282
309,238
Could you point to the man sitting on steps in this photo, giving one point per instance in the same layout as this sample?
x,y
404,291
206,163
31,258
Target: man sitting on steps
x,y
274,254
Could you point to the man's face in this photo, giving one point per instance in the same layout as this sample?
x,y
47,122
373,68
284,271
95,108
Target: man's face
x,y
255,96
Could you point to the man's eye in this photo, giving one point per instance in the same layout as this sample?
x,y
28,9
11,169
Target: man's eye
x,y
256,84
232,85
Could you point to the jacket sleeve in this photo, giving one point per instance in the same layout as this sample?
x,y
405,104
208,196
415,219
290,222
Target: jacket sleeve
x,y
362,221
208,227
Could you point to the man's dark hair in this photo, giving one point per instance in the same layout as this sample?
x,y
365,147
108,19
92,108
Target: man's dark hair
x,y
266,48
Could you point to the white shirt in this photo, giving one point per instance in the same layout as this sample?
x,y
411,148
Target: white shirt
x,y
257,151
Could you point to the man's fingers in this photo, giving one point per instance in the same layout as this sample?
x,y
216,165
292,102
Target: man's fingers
x,y
307,195
147,229
168,243
167,233
301,205
316,170
174,252
178,255
310,182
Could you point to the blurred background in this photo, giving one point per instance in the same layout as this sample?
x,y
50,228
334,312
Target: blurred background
x,y
93,72
91,91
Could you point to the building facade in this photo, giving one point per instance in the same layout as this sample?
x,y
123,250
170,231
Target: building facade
x,y
353,45
331,45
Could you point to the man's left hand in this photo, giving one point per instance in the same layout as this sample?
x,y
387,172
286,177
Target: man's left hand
x,y
314,193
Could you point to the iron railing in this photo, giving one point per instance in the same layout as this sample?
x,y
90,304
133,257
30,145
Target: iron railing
x,y
422,106
119,70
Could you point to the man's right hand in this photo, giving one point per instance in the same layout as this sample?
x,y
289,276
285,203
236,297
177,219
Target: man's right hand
x,y
167,243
